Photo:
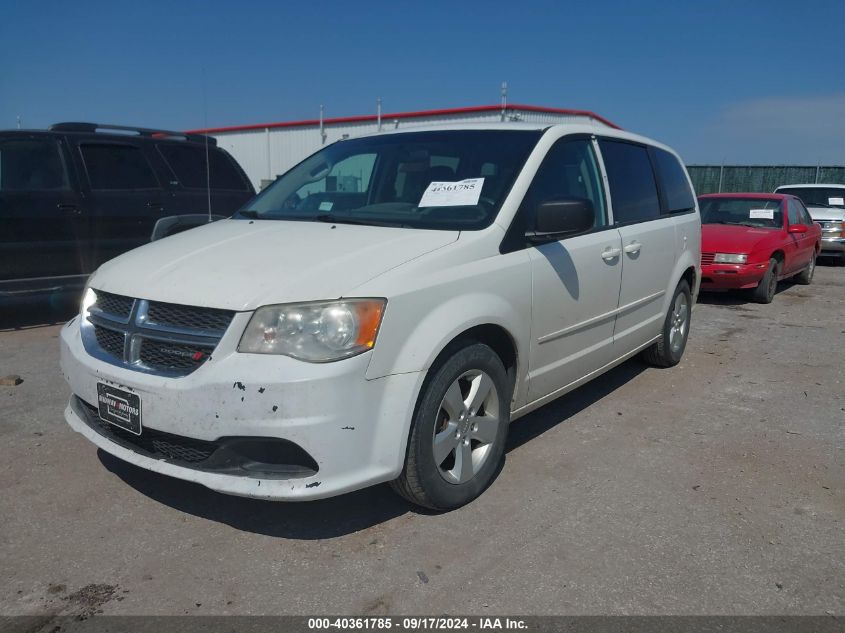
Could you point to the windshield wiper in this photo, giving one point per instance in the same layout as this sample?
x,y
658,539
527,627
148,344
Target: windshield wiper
x,y
334,219
752,225
248,213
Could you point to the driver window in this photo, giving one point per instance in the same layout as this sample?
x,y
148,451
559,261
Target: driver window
x,y
570,170
794,216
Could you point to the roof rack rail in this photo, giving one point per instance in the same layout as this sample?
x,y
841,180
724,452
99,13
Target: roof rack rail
x,y
140,131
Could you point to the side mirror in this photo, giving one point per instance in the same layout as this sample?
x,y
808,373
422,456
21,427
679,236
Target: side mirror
x,y
555,219
173,224
797,228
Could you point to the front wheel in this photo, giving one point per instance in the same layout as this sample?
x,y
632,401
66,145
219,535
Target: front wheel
x,y
457,442
765,290
669,348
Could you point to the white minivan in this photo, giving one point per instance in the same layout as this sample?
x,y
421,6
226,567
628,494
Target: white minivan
x,y
386,308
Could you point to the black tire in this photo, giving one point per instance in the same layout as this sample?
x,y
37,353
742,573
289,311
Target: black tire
x,y
421,481
663,353
766,289
805,277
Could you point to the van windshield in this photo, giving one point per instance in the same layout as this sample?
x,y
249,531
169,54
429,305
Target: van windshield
x,y
818,196
448,180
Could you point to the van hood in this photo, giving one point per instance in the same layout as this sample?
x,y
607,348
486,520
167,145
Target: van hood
x,y
834,214
732,238
241,265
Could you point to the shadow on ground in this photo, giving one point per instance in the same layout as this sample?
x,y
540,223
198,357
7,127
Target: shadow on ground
x,y
331,518
737,297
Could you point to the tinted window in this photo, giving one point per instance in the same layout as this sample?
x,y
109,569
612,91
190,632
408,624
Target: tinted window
x,y
117,167
761,213
632,187
388,180
569,170
677,195
187,162
31,165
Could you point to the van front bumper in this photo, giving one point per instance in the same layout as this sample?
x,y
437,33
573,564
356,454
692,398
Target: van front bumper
x,y
344,432
832,245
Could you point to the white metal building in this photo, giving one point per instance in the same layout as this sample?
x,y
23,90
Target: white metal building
x,y
266,150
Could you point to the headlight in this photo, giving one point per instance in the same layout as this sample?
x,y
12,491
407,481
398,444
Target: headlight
x,y
317,332
730,258
89,298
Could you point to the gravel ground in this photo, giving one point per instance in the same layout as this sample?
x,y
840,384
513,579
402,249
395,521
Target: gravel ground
x,y
715,487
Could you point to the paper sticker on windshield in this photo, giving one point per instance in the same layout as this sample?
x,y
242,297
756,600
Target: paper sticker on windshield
x,y
326,205
761,214
452,194
836,201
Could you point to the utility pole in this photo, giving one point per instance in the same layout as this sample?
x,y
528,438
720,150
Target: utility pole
x,y
19,121
378,113
504,99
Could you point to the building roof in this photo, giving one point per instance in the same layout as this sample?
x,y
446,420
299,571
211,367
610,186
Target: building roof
x,y
368,118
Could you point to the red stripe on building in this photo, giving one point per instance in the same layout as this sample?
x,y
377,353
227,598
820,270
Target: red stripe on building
x,y
367,118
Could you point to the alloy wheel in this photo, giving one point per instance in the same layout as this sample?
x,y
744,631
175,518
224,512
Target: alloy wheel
x,y
467,425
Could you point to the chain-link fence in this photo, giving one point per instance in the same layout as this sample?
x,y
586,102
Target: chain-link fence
x,y
759,178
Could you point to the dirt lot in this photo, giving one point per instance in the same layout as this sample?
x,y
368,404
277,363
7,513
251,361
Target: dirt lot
x,y
717,487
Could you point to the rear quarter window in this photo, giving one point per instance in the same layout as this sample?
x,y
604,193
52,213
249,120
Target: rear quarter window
x,y
633,190
188,164
677,195
31,164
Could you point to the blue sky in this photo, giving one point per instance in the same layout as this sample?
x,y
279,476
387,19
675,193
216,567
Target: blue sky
x,y
738,82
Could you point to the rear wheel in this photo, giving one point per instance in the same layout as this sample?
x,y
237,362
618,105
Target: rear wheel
x,y
805,277
765,290
669,348
457,440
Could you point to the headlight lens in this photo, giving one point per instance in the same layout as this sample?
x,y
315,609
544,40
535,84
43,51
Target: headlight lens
x,y
317,332
89,298
730,258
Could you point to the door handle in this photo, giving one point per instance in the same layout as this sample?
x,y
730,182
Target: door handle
x,y
633,247
610,253
71,209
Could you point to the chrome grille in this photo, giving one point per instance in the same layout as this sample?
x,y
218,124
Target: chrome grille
x,y
707,258
110,341
151,336
118,305
188,317
173,356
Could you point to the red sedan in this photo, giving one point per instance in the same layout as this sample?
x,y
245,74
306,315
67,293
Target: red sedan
x,y
753,240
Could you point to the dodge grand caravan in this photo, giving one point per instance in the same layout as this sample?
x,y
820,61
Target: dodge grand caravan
x,y
386,308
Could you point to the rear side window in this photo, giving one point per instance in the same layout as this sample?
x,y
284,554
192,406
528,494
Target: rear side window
x,y
674,186
633,190
112,166
187,162
31,165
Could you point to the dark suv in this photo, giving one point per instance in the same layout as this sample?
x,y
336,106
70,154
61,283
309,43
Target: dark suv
x,y
78,194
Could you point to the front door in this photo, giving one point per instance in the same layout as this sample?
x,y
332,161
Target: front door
x,y
800,247
125,199
575,281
